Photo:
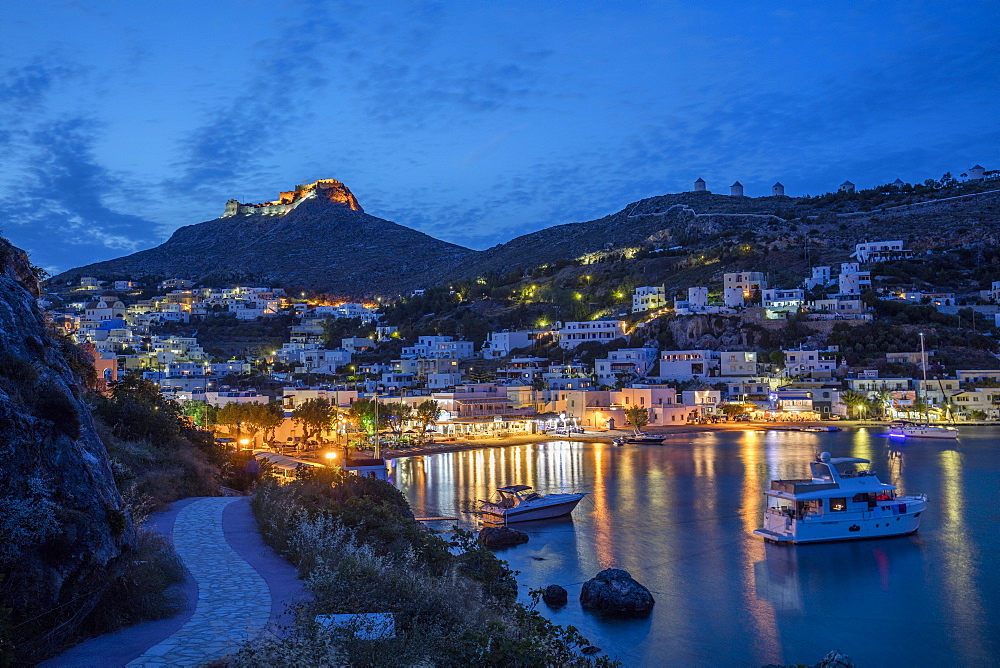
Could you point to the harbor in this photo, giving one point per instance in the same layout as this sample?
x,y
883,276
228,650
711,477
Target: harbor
x,y
680,518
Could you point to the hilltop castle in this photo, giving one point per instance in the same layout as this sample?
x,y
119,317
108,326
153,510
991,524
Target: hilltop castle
x,y
329,189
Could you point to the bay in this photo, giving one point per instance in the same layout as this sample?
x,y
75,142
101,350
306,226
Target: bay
x,y
678,517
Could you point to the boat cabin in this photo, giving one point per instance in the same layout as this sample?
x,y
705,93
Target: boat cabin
x,y
513,495
839,484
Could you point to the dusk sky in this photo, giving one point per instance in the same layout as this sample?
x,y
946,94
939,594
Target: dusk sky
x,y
473,122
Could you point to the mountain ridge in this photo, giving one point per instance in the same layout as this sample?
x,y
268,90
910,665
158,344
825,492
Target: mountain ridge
x,y
329,244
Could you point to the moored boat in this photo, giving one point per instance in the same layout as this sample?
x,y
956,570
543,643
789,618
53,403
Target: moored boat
x,y
906,429
841,501
639,439
519,503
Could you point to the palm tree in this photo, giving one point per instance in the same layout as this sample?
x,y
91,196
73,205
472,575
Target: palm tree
x,y
881,400
856,402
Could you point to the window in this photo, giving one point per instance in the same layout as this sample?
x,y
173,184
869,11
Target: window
x,y
838,504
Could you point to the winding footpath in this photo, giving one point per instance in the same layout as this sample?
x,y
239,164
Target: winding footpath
x,y
237,589
234,602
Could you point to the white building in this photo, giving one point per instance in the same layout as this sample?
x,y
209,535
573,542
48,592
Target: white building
x,y
738,287
439,347
740,363
880,251
572,334
733,297
500,344
820,277
800,361
776,300
777,190
852,280
736,190
223,397
649,298
697,298
847,187
629,363
686,364
977,173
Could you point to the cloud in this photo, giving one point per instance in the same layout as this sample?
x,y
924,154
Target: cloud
x,y
232,146
59,214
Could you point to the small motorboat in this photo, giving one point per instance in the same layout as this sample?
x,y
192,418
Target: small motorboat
x,y
820,429
905,429
841,501
519,503
639,439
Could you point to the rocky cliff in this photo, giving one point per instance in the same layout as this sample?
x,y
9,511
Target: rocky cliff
x,y
64,528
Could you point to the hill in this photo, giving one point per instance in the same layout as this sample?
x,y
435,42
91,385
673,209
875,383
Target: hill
x,y
320,244
318,237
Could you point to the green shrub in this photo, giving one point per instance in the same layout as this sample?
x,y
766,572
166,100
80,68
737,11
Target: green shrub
x,y
360,550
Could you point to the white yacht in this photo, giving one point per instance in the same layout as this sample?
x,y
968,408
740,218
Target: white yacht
x,y
905,429
842,501
518,503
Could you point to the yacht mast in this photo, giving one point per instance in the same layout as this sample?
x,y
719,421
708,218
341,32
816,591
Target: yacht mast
x,y
923,365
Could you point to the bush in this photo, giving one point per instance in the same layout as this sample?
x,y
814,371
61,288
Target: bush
x,y
360,550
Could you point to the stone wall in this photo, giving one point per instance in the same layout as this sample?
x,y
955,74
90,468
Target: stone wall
x,y
329,189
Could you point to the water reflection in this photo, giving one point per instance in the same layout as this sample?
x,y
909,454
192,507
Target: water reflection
x,y
678,518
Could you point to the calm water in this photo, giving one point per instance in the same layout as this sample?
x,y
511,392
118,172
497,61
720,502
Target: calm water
x,y
678,517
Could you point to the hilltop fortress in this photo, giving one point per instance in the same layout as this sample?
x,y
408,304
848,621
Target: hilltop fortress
x,y
329,189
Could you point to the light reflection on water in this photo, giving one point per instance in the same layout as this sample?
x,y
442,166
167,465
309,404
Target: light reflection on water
x,y
678,518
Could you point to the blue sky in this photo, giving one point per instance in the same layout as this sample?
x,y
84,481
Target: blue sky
x,y
471,121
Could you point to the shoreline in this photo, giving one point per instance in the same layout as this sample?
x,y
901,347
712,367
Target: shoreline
x,y
607,436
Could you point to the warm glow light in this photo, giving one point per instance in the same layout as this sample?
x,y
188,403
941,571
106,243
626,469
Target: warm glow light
x,y
244,441
331,455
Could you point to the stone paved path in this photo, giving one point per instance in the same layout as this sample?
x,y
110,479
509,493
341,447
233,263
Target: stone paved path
x,y
234,602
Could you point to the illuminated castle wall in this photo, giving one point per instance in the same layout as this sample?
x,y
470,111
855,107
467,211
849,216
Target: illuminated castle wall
x,y
329,189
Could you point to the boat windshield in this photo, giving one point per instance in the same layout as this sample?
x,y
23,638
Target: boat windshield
x,y
821,471
852,469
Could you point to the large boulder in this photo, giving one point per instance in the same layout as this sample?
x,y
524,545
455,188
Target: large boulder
x,y
614,591
555,596
500,538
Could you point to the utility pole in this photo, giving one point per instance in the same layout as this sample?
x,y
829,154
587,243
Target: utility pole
x,y
378,446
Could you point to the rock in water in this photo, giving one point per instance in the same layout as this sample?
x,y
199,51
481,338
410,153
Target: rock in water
x,y
836,659
614,591
555,596
500,538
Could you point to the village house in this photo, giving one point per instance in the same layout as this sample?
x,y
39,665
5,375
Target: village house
x,y
649,298
625,363
572,334
688,364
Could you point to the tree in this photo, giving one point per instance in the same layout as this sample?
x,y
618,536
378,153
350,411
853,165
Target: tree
x,y
314,415
264,417
637,416
880,400
732,410
363,414
856,402
426,414
397,415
